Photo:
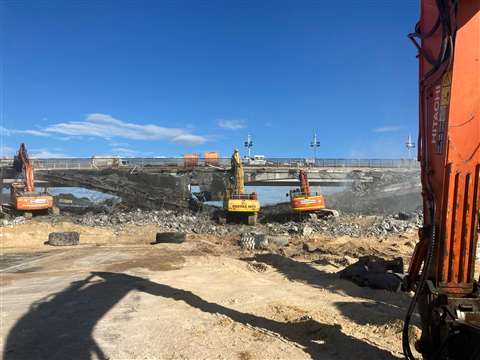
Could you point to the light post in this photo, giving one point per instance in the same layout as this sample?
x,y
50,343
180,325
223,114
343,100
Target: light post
x,y
249,144
315,143
409,145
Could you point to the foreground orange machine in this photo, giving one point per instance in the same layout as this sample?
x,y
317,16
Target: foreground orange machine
x,y
442,270
23,196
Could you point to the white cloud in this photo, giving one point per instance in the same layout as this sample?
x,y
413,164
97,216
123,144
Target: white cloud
x,y
9,132
107,127
231,124
189,139
385,129
4,131
30,132
6,151
119,144
46,154
127,152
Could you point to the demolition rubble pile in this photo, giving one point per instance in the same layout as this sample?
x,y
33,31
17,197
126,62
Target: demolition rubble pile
x,y
350,225
14,221
166,220
387,193
202,223
276,220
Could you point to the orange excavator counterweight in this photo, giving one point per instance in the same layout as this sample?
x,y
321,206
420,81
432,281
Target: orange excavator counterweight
x,y
23,195
302,200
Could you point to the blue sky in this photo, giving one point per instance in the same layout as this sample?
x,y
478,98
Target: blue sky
x,y
164,78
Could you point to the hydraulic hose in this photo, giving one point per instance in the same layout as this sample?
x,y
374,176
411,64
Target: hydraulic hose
x,y
407,351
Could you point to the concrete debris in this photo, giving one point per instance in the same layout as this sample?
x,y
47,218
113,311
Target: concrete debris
x,y
307,230
264,241
69,238
203,223
167,220
15,221
257,266
388,193
397,224
375,272
69,203
247,241
258,241
350,225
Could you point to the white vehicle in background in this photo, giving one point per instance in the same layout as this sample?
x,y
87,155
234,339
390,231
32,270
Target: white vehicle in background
x,y
310,162
108,161
258,160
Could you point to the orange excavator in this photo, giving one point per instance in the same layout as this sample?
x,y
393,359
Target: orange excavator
x,y
23,195
442,270
303,201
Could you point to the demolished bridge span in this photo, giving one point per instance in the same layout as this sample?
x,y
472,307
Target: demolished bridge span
x,y
141,190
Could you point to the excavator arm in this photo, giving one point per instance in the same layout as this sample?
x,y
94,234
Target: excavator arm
x,y
442,269
304,185
27,168
238,176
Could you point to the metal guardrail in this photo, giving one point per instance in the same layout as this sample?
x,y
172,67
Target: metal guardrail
x,y
346,163
102,163
77,163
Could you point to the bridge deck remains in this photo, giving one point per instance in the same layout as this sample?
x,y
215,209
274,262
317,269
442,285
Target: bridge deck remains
x,y
224,163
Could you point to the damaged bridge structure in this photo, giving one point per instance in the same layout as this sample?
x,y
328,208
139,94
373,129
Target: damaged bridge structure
x,y
168,184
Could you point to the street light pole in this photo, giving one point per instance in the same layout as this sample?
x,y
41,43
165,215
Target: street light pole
x,y
409,145
315,143
249,144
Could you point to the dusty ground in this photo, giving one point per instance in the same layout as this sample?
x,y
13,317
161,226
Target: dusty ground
x,y
118,297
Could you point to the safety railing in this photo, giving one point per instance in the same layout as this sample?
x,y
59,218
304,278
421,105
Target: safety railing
x,y
140,163
346,163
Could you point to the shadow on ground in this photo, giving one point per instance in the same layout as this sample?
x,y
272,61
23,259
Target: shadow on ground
x,y
61,325
383,306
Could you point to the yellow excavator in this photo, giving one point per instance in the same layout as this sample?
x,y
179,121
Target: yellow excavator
x,y
238,205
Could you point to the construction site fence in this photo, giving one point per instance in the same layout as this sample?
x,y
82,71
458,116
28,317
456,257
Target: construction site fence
x,y
102,163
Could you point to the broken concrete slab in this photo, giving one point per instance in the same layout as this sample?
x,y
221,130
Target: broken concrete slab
x,y
375,272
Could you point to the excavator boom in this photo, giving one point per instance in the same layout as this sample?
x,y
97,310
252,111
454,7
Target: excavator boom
x,y
442,268
304,185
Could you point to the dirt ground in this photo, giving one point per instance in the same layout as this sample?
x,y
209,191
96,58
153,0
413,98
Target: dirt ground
x,y
116,296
